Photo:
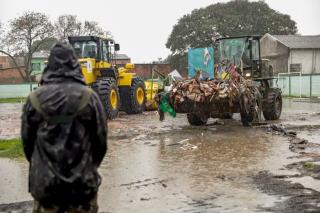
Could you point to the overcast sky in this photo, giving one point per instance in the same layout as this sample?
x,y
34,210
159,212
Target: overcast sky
x,y
143,26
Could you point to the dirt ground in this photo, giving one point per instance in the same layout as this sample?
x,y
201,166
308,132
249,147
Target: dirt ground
x,y
169,166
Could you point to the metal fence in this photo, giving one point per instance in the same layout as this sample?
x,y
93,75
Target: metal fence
x,y
291,84
298,85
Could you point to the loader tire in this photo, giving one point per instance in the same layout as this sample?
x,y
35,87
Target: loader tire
x,y
108,92
196,120
133,98
272,104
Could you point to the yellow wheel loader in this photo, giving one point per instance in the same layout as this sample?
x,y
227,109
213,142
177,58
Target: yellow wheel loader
x,y
116,87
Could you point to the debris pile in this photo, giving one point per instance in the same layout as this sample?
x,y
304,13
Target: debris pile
x,y
203,91
212,96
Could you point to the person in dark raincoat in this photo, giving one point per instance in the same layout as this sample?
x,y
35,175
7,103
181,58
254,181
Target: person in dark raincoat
x,y
64,137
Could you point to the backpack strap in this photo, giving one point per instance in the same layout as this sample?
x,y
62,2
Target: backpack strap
x,y
61,118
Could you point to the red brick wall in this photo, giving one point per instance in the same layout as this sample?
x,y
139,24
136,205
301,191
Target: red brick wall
x,y
122,62
145,70
8,75
4,61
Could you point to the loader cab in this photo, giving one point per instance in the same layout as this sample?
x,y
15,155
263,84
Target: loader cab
x,y
96,56
94,47
243,52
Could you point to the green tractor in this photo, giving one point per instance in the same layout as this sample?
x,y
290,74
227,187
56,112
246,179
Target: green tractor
x,y
243,52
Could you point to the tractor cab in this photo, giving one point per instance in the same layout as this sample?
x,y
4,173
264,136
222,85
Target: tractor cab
x,y
99,48
96,55
244,53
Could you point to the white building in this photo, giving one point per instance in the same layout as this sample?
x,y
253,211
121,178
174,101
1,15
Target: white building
x,y
292,53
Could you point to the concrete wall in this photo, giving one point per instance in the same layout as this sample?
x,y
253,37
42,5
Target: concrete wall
x,y
308,58
317,61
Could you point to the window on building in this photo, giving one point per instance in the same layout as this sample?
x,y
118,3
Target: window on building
x,y
1,66
36,67
295,67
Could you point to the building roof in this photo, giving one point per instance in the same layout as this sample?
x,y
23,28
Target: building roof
x,y
299,41
40,54
122,57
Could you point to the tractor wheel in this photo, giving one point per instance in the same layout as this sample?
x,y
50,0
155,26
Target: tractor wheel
x,y
108,92
272,104
133,99
196,120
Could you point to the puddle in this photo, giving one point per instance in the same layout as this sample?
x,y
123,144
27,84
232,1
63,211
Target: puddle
x,y
172,167
307,182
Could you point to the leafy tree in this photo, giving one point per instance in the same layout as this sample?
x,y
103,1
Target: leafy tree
x,y
177,61
26,34
233,18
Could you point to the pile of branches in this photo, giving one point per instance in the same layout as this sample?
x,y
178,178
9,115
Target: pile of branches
x,y
212,92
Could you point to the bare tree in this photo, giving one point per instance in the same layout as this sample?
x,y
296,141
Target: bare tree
x,y
24,31
1,35
3,42
92,28
69,25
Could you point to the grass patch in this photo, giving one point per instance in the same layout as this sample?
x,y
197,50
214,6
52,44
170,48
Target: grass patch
x,y
12,100
11,148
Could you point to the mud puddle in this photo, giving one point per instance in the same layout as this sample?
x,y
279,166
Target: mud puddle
x,y
193,169
297,198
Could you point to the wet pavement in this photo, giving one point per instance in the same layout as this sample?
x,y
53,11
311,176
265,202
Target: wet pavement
x,y
10,120
169,166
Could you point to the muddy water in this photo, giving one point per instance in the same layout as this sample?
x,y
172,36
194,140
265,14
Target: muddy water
x,y
169,166
297,113
190,169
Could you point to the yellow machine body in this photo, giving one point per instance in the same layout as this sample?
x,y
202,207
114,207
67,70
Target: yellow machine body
x,y
120,87
152,89
91,71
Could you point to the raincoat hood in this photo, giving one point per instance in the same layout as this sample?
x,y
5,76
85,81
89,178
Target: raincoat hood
x,y
63,66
